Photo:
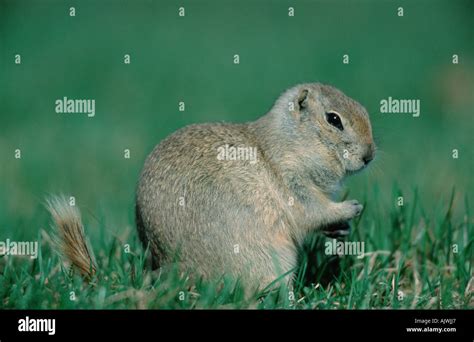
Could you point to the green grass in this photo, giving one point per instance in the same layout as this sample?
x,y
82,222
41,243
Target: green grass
x,y
410,265
190,59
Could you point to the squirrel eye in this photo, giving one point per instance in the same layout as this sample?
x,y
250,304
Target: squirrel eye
x,y
334,120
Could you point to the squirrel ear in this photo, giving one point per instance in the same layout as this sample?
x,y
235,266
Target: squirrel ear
x,y
303,98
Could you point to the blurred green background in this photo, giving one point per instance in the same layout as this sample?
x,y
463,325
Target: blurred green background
x,y
190,59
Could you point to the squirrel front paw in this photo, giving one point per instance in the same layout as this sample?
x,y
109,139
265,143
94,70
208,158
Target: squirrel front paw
x,y
350,209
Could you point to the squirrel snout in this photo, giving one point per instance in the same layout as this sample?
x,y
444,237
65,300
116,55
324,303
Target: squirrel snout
x,y
369,154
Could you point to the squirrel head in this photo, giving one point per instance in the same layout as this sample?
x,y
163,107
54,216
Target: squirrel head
x,y
328,129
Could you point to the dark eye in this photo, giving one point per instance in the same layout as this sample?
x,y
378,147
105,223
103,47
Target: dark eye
x,y
334,120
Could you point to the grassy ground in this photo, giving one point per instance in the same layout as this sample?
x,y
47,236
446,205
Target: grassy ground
x,y
418,255
409,263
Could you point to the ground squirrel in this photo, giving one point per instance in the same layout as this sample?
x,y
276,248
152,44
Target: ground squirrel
x,y
244,213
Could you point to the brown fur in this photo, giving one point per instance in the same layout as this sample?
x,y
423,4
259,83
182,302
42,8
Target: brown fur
x,y
230,203
266,208
70,238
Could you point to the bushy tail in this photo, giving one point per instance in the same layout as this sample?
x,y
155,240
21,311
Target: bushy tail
x,y
70,237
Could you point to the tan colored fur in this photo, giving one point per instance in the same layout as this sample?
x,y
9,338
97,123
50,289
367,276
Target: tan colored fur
x,y
70,238
236,203
237,218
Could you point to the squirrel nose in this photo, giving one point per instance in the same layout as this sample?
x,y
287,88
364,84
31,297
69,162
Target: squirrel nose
x,y
367,158
369,155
